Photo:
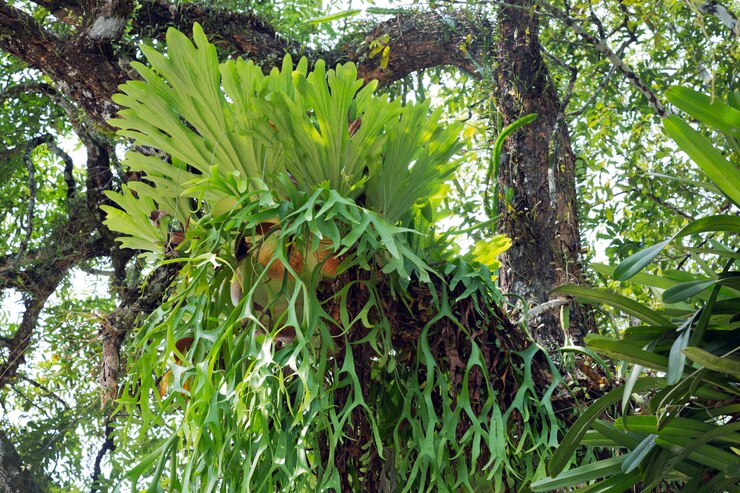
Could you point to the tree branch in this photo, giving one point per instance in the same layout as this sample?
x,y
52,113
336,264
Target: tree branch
x,y
604,49
69,165
22,337
108,444
136,303
722,13
90,74
45,389
67,11
33,144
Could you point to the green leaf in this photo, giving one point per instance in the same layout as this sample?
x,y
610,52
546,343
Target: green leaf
x,y
635,263
723,173
620,350
486,251
570,441
709,110
686,290
721,222
634,458
604,296
676,359
723,364
582,474
334,17
497,149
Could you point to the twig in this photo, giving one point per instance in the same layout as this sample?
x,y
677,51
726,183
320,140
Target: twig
x,y
45,389
604,49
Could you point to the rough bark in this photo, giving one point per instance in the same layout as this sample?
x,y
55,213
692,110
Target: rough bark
x,y
542,218
88,70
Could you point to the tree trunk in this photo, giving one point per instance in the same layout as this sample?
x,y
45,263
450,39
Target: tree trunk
x,y
541,218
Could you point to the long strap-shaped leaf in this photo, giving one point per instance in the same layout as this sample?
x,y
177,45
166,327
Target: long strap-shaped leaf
x,y
571,439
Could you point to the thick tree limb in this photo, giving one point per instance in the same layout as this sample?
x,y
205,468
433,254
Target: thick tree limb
x,y
417,41
86,73
90,73
106,21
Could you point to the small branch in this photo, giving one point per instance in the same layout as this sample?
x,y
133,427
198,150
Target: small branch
x,y
95,272
595,94
45,389
668,206
18,89
604,80
722,13
613,58
136,303
29,401
32,145
545,307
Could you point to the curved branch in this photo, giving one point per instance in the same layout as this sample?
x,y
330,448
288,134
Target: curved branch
x,y
69,165
90,75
